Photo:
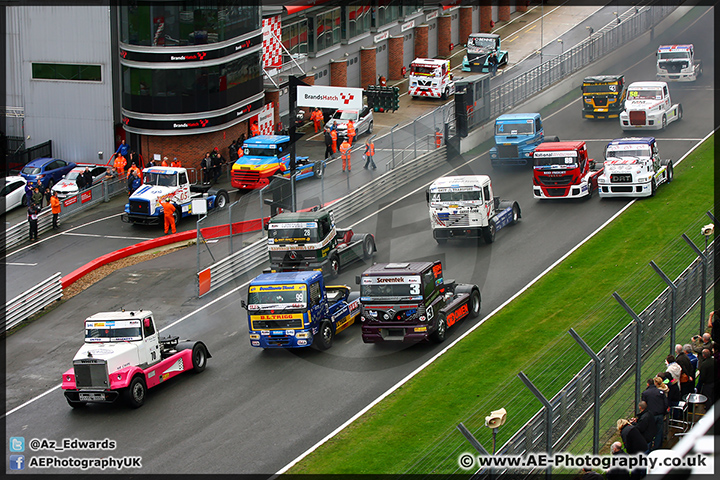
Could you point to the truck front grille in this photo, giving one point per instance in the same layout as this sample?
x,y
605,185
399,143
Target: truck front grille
x,y
621,178
556,192
292,257
245,176
507,151
91,374
140,206
454,219
600,101
673,67
637,117
277,324
555,181
622,189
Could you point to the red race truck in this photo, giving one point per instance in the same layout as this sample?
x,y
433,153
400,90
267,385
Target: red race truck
x,y
563,170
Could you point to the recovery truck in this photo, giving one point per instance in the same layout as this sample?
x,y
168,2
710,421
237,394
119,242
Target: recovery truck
x,y
430,77
516,136
311,241
479,48
175,184
648,106
412,302
633,168
297,309
267,155
464,206
123,355
603,96
563,170
678,63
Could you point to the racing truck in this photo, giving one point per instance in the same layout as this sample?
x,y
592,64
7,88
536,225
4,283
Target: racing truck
x,y
311,241
603,96
297,309
516,136
678,63
464,206
411,302
175,184
123,355
563,170
633,168
479,48
264,156
648,106
430,77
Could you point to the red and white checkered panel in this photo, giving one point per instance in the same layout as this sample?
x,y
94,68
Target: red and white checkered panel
x,y
266,123
272,33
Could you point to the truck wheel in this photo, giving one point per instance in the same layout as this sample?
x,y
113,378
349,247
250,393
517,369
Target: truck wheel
x,y
199,357
664,122
489,233
323,340
334,265
75,404
441,241
515,214
653,188
444,95
669,173
679,112
135,393
318,169
474,304
554,138
176,215
438,335
221,200
368,247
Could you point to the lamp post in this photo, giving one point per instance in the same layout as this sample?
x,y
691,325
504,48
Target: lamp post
x,y
562,46
542,22
707,230
495,421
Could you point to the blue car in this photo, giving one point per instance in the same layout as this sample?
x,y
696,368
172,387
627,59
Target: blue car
x,y
47,171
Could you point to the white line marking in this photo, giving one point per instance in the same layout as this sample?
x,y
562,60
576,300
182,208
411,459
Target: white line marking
x,y
22,264
95,235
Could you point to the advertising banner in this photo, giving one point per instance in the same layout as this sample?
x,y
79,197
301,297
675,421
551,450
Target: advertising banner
x,y
344,98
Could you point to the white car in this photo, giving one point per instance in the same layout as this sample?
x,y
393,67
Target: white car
x,y
363,121
13,193
67,187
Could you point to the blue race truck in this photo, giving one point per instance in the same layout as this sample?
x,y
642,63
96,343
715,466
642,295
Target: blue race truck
x,y
266,155
516,136
297,309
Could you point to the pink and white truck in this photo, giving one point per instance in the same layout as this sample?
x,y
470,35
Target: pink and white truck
x,y
123,356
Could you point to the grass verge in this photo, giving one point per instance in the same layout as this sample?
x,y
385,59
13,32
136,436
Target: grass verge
x,y
413,429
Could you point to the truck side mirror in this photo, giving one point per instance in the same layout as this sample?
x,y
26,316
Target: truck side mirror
x,y
243,304
427,196
357,279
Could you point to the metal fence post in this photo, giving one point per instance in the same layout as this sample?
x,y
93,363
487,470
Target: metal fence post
x,y
475,443
703,294
548,418
415,137
392,144
638,353
673,296
596,393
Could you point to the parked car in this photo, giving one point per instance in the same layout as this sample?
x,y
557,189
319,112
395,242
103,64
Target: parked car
x,y
47,171
13,193
67,186
362,119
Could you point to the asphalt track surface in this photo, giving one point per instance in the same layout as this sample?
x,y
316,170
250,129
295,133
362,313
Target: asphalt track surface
x,y
253,411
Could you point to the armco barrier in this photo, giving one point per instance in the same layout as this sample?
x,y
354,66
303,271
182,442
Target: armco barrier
x,y
225,270
29,303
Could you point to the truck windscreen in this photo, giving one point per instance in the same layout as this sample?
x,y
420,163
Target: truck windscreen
x,y
482,42
423,70
277,296
649,94
260,151
112,334
514,128
674,55
639,152
293,235
160,179
602,88
561,159
391,288
456,196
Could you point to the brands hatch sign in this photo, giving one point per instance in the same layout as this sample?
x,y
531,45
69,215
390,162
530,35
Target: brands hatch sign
x,y
341,98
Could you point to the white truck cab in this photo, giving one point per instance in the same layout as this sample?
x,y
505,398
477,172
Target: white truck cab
x,y
678,63
648,106
431,77
633,168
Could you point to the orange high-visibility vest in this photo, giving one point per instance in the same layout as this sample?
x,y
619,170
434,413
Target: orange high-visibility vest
x,y
438,139
351,129
371,149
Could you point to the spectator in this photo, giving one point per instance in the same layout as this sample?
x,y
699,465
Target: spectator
x,y
233,152
28,193
645,423
334,138
37,197
168,211
493,63
369,153
131,181
328,144
706,378
673,367
678,350
122,149
150,163
205,164
687,376
134,169
47,192
216,161
350,132
55,206
254,129
317,117
88,178
657,405
700,343
133,159
80,182
617,473
136,183
164,162
631,437
673,394
111,174
33,212
589,474
345,154
693,359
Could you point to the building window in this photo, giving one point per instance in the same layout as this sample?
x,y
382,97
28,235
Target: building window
x,y
358,20
387,11
188,90
295,38
327,29
66,71
170,24
410,7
